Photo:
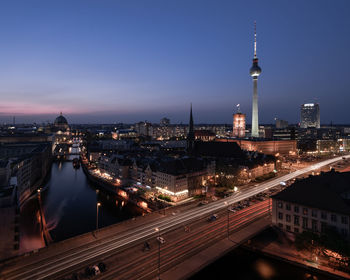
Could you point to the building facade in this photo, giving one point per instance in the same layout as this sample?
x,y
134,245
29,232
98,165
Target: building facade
x,y
310,115
314,204
238,128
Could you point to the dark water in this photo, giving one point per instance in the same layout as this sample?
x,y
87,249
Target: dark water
x,y
243,264
69,204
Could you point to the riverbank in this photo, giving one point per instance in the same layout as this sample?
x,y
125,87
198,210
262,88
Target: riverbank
x,y
119,191
267,256
274,243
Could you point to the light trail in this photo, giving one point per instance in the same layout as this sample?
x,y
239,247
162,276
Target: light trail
x,y
57,264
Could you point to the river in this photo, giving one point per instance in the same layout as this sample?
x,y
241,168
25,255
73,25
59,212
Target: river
x,y
69,202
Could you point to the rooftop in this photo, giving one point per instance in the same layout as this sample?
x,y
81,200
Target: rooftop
x,y
329,191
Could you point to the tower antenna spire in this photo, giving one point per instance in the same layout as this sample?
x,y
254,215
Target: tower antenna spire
x,y
254,39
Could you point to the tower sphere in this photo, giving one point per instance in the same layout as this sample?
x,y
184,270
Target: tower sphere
x,y
255,70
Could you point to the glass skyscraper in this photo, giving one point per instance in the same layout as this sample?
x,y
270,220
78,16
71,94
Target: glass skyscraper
x,y
310,115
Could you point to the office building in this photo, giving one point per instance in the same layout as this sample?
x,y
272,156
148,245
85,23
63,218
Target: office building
x,y
310,115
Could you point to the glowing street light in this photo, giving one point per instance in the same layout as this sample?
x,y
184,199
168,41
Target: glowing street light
x,y
97,206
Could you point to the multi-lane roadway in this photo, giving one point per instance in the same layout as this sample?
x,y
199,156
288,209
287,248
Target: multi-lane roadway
x,y
74,258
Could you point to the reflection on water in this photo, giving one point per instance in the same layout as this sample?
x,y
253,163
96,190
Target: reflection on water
x,y
69,205
31,236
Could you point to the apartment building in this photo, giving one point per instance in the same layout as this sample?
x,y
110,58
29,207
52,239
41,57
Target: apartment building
x,y
314,203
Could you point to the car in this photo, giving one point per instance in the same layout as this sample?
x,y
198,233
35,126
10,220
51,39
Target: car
x,y
233,210
96,270
203,202
161,240
213,217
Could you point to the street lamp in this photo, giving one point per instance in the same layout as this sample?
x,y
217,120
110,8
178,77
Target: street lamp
x,y
97,206
158,230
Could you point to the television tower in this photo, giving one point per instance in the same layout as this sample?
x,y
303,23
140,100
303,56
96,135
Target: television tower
x,y
255,71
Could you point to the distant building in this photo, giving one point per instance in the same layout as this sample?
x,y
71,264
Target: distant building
x,y
238,129
269,147
61,123
204,135
285,133
144,128
310,115
5,173
313,204
164,122
281,123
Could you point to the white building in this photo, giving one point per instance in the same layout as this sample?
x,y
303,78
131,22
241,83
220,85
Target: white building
x,y
314,204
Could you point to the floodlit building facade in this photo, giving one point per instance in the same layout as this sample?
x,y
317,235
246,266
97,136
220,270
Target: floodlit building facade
x,y
238,129
310,115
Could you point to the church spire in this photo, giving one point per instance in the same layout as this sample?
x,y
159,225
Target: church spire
x,y
190,136
191,121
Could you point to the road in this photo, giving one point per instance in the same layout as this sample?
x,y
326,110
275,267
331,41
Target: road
x,y
74,258
180,244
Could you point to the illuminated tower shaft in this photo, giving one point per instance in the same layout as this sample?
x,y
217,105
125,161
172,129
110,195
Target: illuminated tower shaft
x,y
255,71
255,112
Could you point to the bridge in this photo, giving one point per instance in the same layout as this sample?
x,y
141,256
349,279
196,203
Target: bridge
x,y
64,150
120,246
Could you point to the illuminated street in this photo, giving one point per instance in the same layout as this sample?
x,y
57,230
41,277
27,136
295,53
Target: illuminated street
x,y
48,264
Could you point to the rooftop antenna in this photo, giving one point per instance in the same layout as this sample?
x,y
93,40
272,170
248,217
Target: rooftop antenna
x,y
254,39
238,108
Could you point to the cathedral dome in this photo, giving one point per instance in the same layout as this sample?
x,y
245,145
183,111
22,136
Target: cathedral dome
x,y
60,120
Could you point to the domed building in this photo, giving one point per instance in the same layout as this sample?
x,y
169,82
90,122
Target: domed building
x,y
61,123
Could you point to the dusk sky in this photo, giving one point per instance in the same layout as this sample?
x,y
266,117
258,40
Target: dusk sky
x,y
127,61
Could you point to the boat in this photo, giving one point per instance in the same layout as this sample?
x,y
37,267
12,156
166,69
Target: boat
x,y
76,163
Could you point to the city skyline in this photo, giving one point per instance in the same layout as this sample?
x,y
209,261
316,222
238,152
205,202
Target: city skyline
x,y
122,62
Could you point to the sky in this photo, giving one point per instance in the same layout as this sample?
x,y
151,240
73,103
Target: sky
x,y
107,61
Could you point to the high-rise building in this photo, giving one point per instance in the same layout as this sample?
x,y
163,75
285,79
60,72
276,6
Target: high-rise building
x,y
310,115
281,123
255,71
238,129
